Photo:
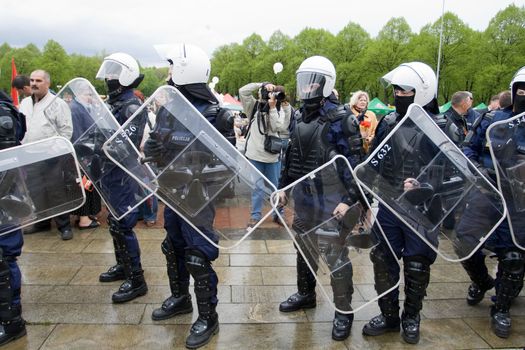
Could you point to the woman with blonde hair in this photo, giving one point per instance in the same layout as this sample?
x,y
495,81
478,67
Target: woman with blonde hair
x,y
367,119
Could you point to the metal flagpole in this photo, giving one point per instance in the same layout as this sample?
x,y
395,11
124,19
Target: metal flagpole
x,y
440,42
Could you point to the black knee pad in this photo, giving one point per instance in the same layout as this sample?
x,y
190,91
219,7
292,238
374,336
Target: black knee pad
x,y
382,277
417,274
167,248
197,263
512,262
200,269
342,286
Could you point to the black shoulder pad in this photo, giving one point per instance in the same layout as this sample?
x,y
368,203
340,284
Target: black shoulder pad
x,y
337,113
350,125
390,118
440,120
489,115
129,107
485,116
224,120
212,111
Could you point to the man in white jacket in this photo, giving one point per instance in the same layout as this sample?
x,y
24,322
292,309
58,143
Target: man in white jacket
x,y
38,128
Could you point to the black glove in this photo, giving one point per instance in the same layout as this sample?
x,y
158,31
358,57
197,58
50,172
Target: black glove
x,y
152,148
488,173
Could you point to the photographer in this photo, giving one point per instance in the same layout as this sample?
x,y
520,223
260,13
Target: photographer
x,y
268,116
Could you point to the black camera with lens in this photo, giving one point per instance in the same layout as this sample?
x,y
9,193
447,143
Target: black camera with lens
x,y
278,94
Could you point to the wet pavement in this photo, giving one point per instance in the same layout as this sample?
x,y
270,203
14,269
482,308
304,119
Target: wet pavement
x,y
67,308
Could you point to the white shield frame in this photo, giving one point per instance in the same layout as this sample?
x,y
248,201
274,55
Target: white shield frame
x,y
445,183
325,240
509,163
40,180
94,124
201,175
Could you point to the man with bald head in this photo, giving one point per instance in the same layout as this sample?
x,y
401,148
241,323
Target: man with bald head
x,y
38,128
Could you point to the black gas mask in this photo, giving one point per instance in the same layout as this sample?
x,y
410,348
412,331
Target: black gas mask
x,y
518,101
402,102
311,108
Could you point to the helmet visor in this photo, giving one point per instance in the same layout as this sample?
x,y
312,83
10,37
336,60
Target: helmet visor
x,y
386,82
109,70
310,85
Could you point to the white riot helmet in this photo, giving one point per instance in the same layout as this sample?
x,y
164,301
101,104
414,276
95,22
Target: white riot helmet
x,y
189,64
416,76
315,78
518,79
119,66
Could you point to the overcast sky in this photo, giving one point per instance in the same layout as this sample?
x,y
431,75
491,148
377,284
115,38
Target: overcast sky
x,y
132,26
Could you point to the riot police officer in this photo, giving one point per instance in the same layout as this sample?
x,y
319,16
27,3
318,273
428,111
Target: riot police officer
x,y
121,74
187,252
12,325
509,279
324,129
413,82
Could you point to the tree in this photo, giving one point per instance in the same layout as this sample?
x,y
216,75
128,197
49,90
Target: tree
x,y
346,52
384,54
502,46
25,60
457,71
57,63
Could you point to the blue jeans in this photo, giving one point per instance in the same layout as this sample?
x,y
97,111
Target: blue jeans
x,y
148,209
272,172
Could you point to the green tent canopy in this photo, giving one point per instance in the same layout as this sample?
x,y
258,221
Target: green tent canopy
x,y
445,107
481,106
379,107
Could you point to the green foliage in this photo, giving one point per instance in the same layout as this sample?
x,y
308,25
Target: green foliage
x,y
479,61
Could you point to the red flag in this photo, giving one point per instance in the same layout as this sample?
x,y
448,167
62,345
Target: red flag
x,y
14,92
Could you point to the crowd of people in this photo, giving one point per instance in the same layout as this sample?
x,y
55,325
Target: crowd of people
x,y
284,144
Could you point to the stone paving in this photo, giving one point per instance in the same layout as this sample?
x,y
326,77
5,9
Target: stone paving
x,y
67,308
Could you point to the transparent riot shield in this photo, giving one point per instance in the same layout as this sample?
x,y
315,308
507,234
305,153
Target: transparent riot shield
x,y
337,248
38,180
418,174
94,124
507,148
198,173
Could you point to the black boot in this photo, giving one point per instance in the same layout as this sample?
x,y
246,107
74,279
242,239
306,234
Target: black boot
x,y
305,298
114,273
341,326
388,319
13,325
417,277
410,325
342,287
511,281
179,302
479,275
476,292
207,324
203,329
174,305
500,321
133,287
